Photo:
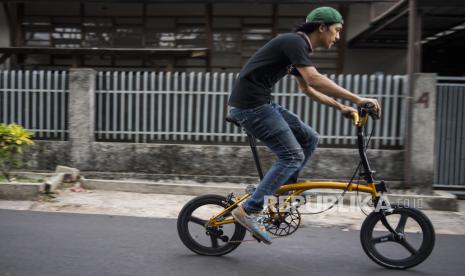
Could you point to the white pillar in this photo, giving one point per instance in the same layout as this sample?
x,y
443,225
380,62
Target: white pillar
x,y
423,131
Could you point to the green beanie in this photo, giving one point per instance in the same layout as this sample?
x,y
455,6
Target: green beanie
x,y
324,15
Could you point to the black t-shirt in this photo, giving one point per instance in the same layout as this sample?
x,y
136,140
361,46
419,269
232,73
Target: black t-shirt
x,y
266,67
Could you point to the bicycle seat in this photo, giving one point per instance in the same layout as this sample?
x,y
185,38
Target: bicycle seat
x,y
232,120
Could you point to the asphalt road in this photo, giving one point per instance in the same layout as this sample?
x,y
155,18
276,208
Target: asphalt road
x,y
38,243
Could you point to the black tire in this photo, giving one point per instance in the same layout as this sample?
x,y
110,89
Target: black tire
x,y
417,252
217,246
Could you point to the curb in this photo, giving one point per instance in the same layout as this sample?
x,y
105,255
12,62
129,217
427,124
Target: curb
x,y
137,186
20,191
440,200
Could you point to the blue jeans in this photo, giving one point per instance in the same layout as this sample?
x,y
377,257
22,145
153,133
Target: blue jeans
x,y
287,136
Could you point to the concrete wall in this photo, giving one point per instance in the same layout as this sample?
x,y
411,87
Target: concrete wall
x,y
46,155
211,160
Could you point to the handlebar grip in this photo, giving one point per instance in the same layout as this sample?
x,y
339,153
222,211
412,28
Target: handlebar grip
x,y
356,118
357,121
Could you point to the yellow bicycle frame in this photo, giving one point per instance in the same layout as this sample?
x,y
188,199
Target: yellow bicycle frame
x,y
300,187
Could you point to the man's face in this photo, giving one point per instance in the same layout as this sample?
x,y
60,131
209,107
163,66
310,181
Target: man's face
x,y
330,34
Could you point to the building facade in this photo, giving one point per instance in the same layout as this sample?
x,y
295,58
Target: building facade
x,y
216,36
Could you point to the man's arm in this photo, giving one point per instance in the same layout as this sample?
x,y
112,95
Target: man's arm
x,y
322,98
317,96
326,86
321,83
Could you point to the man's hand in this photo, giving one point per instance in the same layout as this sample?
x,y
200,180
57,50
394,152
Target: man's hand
x,y
347,111
371,105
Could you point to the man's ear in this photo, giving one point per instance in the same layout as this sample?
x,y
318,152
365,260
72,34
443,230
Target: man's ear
x,y
322,28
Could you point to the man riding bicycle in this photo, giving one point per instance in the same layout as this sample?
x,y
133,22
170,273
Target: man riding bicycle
x,y
282,131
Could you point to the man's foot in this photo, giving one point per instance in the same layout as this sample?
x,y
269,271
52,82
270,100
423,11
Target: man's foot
x,y
251,223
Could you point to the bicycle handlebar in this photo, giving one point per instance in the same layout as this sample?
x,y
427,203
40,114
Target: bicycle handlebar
x,y
361,117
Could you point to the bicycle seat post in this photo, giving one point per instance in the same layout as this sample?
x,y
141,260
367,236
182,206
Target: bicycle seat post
x,y
253,146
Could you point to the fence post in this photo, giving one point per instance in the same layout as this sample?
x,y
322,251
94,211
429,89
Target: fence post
x,y
81,114
423,132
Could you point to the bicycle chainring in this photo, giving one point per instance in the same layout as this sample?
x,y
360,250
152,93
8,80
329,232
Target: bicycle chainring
x,y
283,223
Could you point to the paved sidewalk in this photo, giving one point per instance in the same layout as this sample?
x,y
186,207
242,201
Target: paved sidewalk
x,y
168,206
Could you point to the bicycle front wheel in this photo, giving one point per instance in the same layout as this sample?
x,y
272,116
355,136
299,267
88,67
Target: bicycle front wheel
x,y
204,240
412,242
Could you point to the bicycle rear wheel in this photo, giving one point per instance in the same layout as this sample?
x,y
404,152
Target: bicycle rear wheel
x,y
412,242
203,240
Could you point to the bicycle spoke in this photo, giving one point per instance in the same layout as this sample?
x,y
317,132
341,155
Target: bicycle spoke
x,y
407,246
214,241
387,238
387,225
197,220
403,220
